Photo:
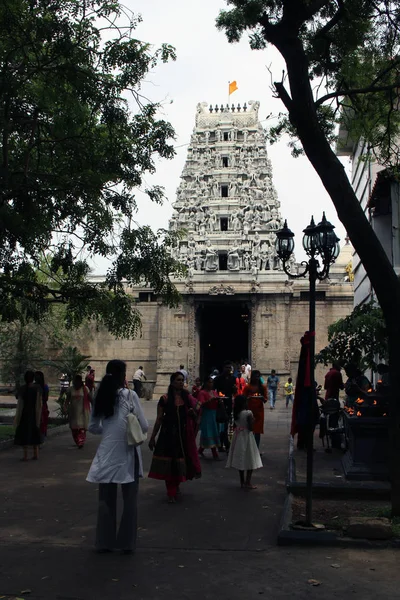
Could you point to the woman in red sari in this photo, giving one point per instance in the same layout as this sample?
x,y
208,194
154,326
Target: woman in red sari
x,y
175,457
256,394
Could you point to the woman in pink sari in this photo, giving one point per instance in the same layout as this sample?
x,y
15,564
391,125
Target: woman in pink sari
x,y
175,457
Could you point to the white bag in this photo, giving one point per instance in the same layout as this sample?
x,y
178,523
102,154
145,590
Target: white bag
x,y
135,435
134,431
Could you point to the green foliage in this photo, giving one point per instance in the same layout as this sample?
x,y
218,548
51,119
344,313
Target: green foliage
x,y
70,362
360,338
21,347
352,50
26,344
73,154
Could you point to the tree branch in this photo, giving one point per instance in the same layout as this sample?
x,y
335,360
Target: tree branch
x,y
334,21
283,95
357,91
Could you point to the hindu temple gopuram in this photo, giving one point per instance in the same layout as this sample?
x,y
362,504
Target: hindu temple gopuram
x,y
237,302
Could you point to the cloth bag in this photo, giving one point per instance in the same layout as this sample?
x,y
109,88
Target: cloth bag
x,y
134,432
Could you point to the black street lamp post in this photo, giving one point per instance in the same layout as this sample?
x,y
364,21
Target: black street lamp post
x,y
319,242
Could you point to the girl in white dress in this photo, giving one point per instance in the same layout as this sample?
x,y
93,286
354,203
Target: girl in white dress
x,y
243,453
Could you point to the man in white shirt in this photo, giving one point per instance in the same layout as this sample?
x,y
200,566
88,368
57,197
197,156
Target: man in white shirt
x,y
138,377
247,371
185,375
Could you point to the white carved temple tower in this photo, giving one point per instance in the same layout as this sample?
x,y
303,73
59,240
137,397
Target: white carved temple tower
x,y
237,302
226,200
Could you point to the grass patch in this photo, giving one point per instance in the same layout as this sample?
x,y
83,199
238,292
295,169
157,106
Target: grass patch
x,y
6,432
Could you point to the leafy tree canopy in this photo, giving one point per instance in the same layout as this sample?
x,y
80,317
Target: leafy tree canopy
x,y
359,338
72,155
351,50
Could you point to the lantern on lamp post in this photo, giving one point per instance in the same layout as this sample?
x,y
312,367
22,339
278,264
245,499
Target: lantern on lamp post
x,y
319,242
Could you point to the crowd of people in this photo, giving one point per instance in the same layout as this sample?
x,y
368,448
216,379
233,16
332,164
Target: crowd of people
x,y
226,410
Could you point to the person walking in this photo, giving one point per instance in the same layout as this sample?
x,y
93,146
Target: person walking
x,y
273,386
138,377
89,380
289,391
247,371
243,453
175,457
196,388
116,463
241,381
225,384
28,416
333,382
44,420
207,403
78,408
256,394
185,375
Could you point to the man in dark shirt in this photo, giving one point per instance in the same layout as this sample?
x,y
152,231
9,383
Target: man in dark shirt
x,y
333,382
226,384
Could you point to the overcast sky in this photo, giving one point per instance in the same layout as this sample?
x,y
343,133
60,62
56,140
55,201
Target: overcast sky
x,y
205,63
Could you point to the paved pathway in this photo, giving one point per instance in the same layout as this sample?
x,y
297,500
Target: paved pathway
x,y
218,543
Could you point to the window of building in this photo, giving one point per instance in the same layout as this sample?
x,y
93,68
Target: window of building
x,y
226,136
147,297
224,191
223,261
225,162
224,224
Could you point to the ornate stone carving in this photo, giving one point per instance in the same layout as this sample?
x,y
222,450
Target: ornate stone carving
x,y
226,188
222,289
254,287
191,350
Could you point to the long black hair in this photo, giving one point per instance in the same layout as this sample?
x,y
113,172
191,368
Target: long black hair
x,y
206,380
171,391
107,393
239,405
39,378
253,375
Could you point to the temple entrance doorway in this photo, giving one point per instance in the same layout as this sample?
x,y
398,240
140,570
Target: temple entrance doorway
x,y
224,332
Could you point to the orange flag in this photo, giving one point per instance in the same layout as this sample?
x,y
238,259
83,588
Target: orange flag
x,y
232,87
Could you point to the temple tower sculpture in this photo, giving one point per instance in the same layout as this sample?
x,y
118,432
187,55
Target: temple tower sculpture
x,y
226,201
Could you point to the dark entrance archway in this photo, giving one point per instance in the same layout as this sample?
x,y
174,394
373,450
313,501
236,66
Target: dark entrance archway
x,y
224,334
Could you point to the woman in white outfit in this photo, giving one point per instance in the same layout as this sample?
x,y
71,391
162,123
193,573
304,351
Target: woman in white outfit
x,y
116,462
243,452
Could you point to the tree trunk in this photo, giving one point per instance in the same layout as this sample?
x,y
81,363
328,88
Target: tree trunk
x,y
379,269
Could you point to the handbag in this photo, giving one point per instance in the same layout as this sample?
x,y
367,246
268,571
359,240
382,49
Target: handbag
x,y
134,432
221,414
